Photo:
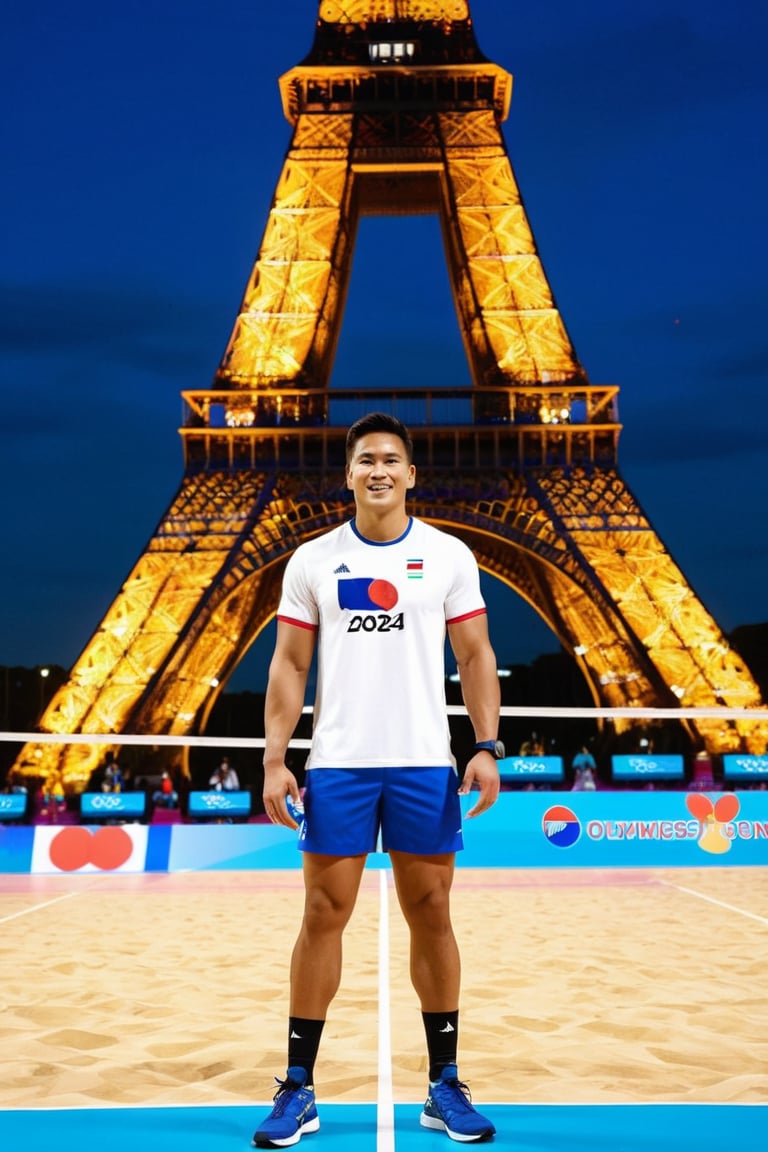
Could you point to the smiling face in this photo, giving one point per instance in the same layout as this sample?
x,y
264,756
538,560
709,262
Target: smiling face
x,y
379,475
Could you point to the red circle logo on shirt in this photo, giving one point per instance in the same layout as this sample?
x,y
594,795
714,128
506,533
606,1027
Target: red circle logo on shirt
x,y
383,594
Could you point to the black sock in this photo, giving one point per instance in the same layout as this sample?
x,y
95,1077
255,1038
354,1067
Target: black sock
x,y
442,1029
303,1043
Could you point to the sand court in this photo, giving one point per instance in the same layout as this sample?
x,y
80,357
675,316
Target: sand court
x,y
579,986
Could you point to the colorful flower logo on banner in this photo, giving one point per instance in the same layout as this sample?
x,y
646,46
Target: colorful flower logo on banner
x,y
712,819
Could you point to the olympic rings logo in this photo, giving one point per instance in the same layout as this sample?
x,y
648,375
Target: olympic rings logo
x,y
642,765
107,803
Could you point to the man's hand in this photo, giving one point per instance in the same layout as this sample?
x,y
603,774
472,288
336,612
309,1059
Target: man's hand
x,y
280,782
482,773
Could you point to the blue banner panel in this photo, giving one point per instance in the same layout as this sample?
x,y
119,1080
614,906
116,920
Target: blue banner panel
x,y
647,767
218,804
16,849
618,829
158,848
13,806
215,847
538,829
523,769
739,766
112,805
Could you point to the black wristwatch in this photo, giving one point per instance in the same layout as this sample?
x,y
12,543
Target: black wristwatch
x,y
495,747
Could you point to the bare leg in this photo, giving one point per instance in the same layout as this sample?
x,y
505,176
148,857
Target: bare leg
x,y
331,885
423,885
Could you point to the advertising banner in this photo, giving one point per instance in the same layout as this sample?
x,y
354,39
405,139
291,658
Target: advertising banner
x,y
76,848
16,849
218,804
539,829
536,769
13,806
112,806
738,766
642,767
655,829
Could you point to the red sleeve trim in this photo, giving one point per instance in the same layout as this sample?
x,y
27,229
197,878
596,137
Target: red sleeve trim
x,y
298,623
468,616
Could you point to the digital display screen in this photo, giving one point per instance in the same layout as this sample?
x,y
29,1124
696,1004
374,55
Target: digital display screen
x,y
112,805
544,769
13,806
638,767
740,766
216,805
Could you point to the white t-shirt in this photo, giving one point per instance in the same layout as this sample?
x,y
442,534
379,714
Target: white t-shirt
x,y
381,611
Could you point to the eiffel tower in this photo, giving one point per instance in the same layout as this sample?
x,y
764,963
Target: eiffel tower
x,y
396,110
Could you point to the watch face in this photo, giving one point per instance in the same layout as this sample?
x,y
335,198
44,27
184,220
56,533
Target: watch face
x,y
495,747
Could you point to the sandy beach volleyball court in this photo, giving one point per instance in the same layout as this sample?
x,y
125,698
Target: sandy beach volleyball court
x,y
578,986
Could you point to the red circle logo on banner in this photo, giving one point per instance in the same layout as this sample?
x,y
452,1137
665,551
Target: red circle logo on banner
x,y
106,849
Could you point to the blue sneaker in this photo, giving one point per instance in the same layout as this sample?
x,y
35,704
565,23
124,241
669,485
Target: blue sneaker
x,y
449,1108
294,1113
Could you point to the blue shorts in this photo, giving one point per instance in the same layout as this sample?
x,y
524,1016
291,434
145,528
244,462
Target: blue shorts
x,y
417,810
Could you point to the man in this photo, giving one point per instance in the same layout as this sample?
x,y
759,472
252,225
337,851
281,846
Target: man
x,y
377,594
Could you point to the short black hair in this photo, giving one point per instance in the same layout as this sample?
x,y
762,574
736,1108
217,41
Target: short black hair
x,y
378,422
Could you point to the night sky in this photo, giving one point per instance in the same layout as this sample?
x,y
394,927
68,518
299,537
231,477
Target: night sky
x,y
141,145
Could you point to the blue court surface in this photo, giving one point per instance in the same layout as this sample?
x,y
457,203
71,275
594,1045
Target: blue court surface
x,y
353,1127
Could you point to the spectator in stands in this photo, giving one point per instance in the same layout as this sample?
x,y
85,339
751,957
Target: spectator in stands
x,y
166,795
107,777
702,779
532,747
584,771
225,778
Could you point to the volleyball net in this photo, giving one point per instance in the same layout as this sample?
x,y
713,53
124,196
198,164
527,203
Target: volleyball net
x,y
547,748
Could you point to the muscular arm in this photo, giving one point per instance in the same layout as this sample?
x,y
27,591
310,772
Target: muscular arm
x,y
476,663
287,683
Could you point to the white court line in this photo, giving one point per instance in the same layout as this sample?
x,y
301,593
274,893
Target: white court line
x,y
38,907
385,1107
719,903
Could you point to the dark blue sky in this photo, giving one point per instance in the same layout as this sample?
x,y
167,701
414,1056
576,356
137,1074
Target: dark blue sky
x,y
141,145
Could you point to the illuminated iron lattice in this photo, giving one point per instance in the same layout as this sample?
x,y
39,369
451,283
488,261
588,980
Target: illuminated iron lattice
x,y
361,11
396,110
